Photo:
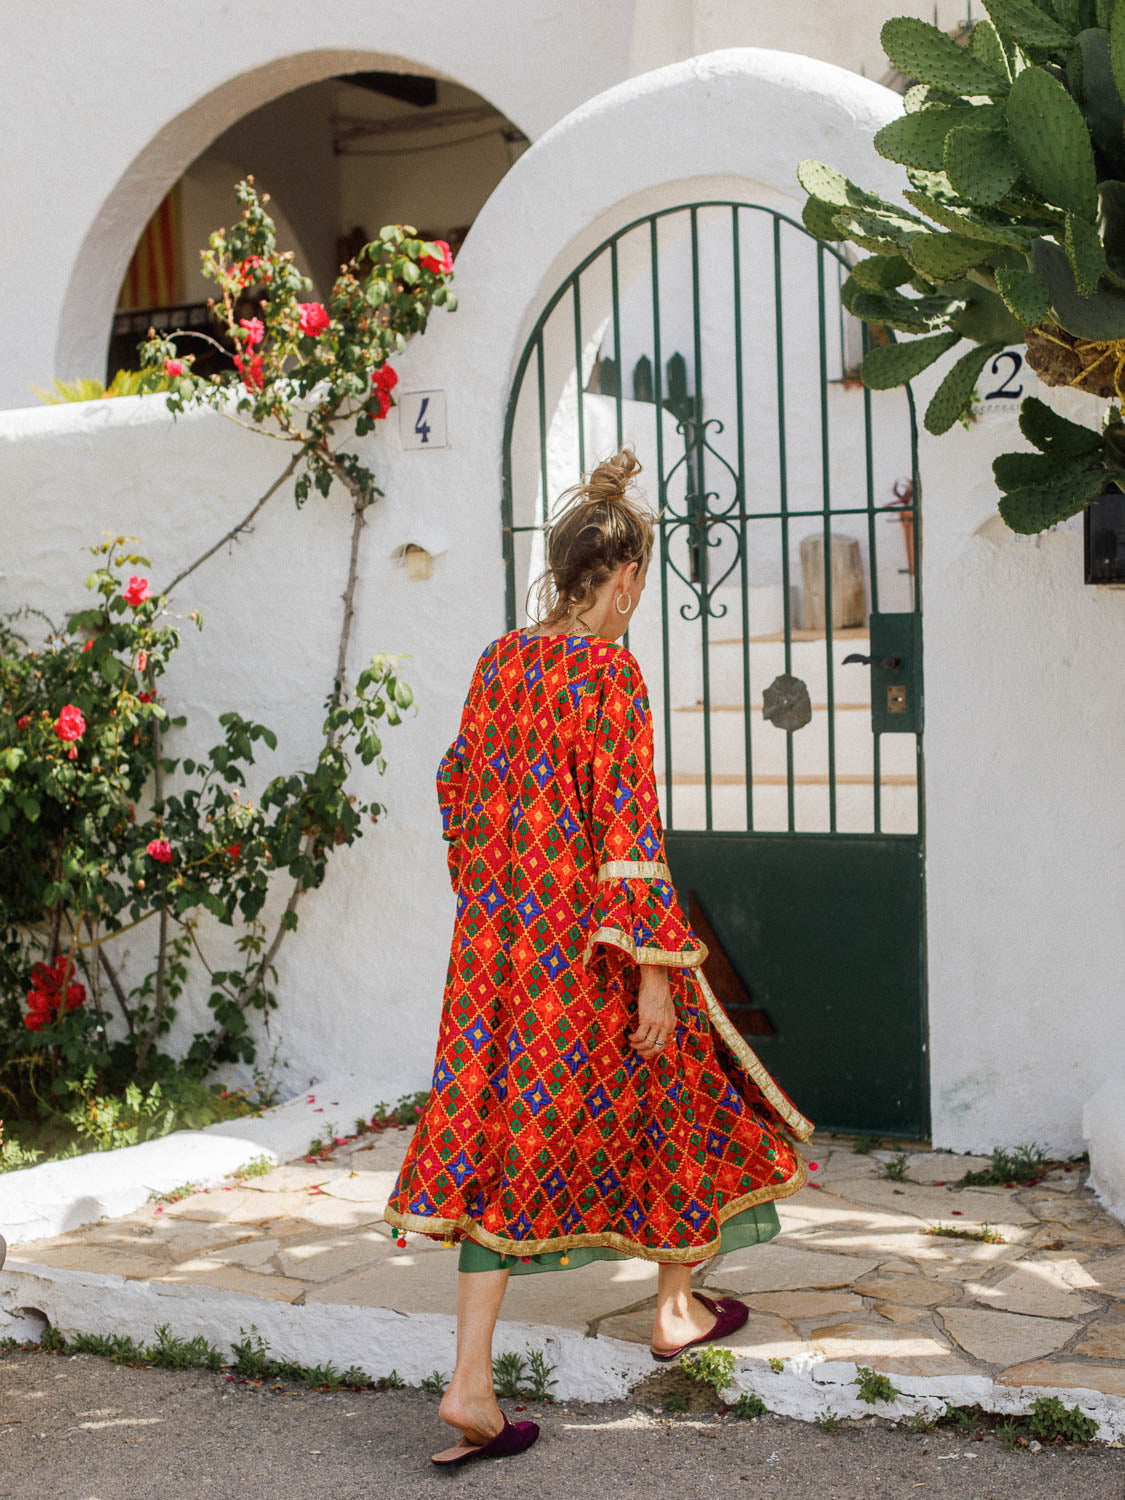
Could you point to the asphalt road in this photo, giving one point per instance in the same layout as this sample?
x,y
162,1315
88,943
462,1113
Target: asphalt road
x,y
82,1428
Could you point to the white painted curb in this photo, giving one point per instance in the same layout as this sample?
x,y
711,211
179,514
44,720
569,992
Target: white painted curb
x,y
378,1340
56,1196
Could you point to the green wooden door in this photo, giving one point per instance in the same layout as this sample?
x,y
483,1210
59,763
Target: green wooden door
x,y
780,633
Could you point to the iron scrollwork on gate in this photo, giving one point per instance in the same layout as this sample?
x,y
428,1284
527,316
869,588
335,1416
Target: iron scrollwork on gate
x,y
704,519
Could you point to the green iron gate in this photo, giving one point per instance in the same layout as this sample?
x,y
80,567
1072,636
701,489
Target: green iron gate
x,y
780,633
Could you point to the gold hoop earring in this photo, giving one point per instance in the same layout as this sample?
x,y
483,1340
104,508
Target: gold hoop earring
x,y
628,604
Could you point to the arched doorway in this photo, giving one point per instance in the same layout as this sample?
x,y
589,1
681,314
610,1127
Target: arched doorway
x,y
712,338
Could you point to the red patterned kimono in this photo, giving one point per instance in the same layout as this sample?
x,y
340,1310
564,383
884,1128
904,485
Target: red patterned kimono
x,y
544,1129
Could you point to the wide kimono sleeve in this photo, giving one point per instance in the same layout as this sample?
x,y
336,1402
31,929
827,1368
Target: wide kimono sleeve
x,y
452,776
636,911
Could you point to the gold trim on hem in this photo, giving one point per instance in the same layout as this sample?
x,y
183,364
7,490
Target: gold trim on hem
x,y
796,1122
663,957
610,1240
634,869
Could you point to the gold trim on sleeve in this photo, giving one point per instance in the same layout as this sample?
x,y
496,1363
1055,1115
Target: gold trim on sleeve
x,y
634,869
801,1127
664,957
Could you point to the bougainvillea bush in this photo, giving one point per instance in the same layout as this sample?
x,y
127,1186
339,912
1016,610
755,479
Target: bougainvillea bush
x,y
83,860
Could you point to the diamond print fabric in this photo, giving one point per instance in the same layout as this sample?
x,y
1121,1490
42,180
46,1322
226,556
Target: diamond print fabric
x,y
544,1129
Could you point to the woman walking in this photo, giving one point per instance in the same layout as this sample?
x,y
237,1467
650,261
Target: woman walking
x,y
591,1099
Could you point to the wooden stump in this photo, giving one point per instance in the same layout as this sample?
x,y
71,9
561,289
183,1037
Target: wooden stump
x,y
849,596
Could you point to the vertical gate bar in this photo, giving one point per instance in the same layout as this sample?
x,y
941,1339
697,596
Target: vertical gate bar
x,y
542,380
783,495
873,570
840,316
825,478
578,376
736,254
701,508
617,344
661,498
916,588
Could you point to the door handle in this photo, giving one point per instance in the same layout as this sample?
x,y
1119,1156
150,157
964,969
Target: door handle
x,y
890,663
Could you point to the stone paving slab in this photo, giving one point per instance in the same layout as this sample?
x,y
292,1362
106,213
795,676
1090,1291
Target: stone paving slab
x,y
854,1278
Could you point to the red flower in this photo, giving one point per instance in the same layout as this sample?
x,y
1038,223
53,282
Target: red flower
x,y
383,381
173,367
23,721
254,268
234,849
145,697
255,329
88,644
138,591
70,725
314,319
142,660
159,849
252,377
440,264
48,995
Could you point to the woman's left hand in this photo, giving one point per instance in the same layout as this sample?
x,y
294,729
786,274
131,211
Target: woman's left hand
x,y
656,1014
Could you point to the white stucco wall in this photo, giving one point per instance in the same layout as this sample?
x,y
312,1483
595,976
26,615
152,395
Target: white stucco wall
x,y
1023,776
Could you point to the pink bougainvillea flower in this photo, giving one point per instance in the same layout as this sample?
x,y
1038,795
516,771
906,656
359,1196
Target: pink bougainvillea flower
x,y
252,377
173,367
138,591
440,264
234,849
254,268
313,318
70,725
159,849
255,329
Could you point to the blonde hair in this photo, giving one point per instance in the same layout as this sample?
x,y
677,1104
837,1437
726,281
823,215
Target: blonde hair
x,y
601,527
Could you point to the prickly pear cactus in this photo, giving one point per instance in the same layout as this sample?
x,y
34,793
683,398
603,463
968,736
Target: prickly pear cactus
x,y
1013,143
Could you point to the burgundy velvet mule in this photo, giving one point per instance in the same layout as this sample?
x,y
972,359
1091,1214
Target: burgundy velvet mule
x,y
513,1438
730,1314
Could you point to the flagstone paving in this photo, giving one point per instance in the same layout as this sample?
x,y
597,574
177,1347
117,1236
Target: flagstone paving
x,y
853,1276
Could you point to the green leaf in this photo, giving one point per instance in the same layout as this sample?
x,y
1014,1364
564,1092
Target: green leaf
x,y
945,257
980,164
1052,142
888,365
817,217
1045,429
1117,46
882,273
953,396
1034,507
931,56
1101,316
984,42
1025,23
1024,295
1085,254
1111,227
110,668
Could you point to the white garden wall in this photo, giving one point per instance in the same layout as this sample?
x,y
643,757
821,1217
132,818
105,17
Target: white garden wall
x,y
1024,665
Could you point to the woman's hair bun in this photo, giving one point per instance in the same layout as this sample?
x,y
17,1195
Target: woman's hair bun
x,y
600,526
610,479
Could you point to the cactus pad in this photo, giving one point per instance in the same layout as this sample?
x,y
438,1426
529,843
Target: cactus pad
x,y
1085,254
1100,317
1052,142
1034,507
964,221
985,43
954,395
881,273
945,257
1024,295
888,365
1025,23
980,164
891,308
928,54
